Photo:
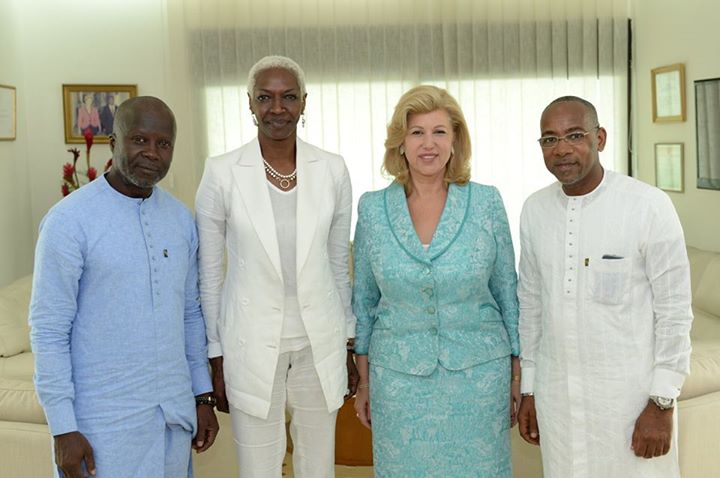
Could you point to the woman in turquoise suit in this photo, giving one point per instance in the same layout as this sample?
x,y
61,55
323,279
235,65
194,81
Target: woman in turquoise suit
x,y
434,295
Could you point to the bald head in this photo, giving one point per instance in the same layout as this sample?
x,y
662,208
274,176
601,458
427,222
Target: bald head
x,y
591,115
131,110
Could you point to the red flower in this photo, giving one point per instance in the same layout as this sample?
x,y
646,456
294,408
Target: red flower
x,y
92,173
88,138
68,171
65,189
108,165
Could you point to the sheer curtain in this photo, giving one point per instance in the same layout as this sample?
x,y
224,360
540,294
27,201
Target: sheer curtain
x,y
504,60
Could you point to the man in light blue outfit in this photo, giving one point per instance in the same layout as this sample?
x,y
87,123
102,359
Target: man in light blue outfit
x,y
116,326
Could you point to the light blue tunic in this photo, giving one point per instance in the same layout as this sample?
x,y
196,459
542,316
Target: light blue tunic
x,y
116,326
439,326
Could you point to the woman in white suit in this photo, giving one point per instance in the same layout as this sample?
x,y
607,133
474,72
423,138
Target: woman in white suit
x,y
278,321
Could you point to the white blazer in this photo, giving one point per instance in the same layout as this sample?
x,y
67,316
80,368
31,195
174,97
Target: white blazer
x,y
243,306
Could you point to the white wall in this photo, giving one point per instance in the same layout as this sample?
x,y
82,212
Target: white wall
x,y
50,42
62,42
667,32
16,233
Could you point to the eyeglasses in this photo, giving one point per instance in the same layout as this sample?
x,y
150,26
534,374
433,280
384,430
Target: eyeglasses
x,y
571,138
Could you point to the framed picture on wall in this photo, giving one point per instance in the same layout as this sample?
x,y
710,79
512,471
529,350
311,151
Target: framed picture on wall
x,y
707,126
8,113
668,93
669,166
92,106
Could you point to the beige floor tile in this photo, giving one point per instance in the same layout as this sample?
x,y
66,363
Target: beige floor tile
x,y
340,471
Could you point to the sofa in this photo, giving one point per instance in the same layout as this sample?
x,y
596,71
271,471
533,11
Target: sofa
x,y
25,441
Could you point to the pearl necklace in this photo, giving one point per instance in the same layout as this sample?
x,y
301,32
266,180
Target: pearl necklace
x,y
283,179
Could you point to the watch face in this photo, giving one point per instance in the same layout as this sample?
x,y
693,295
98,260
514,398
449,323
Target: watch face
x,y
663,402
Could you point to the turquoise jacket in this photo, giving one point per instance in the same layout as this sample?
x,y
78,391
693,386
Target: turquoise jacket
x,y
454,304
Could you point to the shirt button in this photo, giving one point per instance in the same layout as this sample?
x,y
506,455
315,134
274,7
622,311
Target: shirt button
x,y
433,330
431,310
427,271
153,257
147,223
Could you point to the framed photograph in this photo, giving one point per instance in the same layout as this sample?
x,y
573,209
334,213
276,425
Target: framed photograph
x,y
707,126
668,93
92,106
669,166
8,113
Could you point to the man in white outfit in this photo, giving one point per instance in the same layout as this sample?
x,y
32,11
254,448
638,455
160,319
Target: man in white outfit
x,y
604,311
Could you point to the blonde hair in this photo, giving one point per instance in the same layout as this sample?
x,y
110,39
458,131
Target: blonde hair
x,y
419,100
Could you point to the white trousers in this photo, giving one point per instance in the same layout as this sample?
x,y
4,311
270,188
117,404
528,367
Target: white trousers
x,y
261,444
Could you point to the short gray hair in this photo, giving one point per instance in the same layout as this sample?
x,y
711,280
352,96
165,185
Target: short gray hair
x,y
276,61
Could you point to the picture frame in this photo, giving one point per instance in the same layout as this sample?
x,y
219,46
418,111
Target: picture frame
x,y
670,166
707,128
8,113
668,93
92,106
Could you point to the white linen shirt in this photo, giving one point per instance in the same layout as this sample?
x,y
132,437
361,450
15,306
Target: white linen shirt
x,y
604,321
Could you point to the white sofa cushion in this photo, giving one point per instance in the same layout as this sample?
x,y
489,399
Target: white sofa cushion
x,y
704,371
707,294
14,331
18,402
17,367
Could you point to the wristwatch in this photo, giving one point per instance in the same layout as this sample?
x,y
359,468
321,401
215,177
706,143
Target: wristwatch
x,y
206,400
663,403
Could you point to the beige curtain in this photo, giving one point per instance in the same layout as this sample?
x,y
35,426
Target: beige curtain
x,y
504,60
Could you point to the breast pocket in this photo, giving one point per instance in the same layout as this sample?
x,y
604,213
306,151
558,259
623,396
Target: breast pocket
x,y
610,280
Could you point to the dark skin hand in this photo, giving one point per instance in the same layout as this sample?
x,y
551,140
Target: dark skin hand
x,y
653,432
207,427
353,377
527,421
218,383
71,450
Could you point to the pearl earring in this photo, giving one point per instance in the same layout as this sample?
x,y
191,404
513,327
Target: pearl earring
x,y
254,118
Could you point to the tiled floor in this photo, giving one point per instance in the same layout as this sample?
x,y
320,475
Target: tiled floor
x,y
340,471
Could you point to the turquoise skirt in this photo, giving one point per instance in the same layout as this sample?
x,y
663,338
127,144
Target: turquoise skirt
x,y
450,424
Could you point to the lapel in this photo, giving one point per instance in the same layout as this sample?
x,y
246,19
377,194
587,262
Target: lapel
x,y
451,221
311,185
249,175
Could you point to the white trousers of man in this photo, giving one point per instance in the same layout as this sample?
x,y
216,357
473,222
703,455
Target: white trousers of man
x,y
261,444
